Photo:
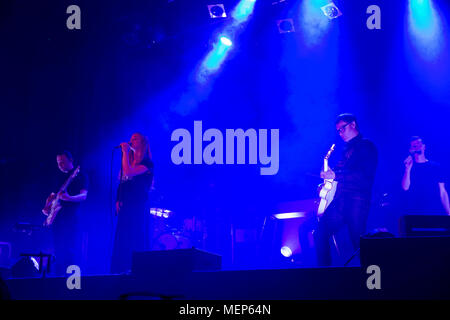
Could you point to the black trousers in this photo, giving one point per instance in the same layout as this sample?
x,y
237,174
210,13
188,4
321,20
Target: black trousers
x,y
346,210
67,243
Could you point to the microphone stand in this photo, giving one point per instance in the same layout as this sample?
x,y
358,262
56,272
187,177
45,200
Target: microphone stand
x,y
117,195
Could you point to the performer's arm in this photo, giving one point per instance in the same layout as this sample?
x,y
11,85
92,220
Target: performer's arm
x,y
82,195
129,170
76,198
444,197
406,180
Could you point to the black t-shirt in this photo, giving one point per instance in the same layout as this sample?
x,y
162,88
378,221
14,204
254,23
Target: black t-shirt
x,y
423,196
135,191
355,172
80,182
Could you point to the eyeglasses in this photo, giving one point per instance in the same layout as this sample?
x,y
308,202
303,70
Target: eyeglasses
x,y
342,129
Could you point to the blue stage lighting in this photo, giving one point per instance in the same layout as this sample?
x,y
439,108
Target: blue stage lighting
x,y
421,13
215,57
313,21
286,251
226,42
423,17
243,10
425,28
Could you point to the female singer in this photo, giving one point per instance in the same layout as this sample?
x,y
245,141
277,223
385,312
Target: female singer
x,y
133,224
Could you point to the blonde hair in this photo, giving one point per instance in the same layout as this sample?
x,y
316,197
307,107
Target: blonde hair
x,y
145,151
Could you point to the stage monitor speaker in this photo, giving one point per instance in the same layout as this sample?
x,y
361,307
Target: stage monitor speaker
x,y
25,267
410,267
424,225
174,261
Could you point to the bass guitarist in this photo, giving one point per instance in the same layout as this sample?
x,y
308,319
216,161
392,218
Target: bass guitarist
x,y
66,239
354,174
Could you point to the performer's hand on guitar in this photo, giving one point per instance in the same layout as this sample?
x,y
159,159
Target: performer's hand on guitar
x,y
328,174
408,162
48,203
50,198
63,195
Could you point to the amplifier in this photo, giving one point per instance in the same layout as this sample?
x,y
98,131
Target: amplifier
x,y
424,225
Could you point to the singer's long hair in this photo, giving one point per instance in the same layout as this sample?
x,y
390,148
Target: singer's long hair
x,y
146,153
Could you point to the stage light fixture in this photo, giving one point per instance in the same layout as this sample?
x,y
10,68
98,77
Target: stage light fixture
x,y
217,11
286,251
25,267
289,215
331,11
285,25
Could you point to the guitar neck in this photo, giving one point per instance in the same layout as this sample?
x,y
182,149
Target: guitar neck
x,y
325,165
66,184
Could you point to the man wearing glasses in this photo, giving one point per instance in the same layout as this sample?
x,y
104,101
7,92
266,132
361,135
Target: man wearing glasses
x,y
355,173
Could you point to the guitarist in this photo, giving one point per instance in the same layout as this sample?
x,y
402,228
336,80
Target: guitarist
x,y
354,173
67,244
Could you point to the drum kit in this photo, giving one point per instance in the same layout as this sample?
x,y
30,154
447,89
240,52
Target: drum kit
x,y
170,232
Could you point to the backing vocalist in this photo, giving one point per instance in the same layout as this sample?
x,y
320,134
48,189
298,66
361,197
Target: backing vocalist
x,y
424,182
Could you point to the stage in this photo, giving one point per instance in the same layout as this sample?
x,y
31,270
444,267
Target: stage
x,y
284,284
391,269
241,146
340,283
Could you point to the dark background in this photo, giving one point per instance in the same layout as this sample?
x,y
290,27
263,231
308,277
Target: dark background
x,y
132,68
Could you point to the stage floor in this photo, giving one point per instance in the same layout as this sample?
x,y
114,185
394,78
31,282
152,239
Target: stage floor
x,y
397,268
275,284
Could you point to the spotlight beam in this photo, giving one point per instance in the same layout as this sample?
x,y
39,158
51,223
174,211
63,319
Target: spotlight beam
x,y
243,10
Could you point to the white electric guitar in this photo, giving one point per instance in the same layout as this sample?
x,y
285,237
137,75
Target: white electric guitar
x,y
52,204
328,187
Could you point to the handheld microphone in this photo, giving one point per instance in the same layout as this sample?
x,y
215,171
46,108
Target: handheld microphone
x,y
119,146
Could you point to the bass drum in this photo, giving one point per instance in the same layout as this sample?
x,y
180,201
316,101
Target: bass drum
x,y
171,241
